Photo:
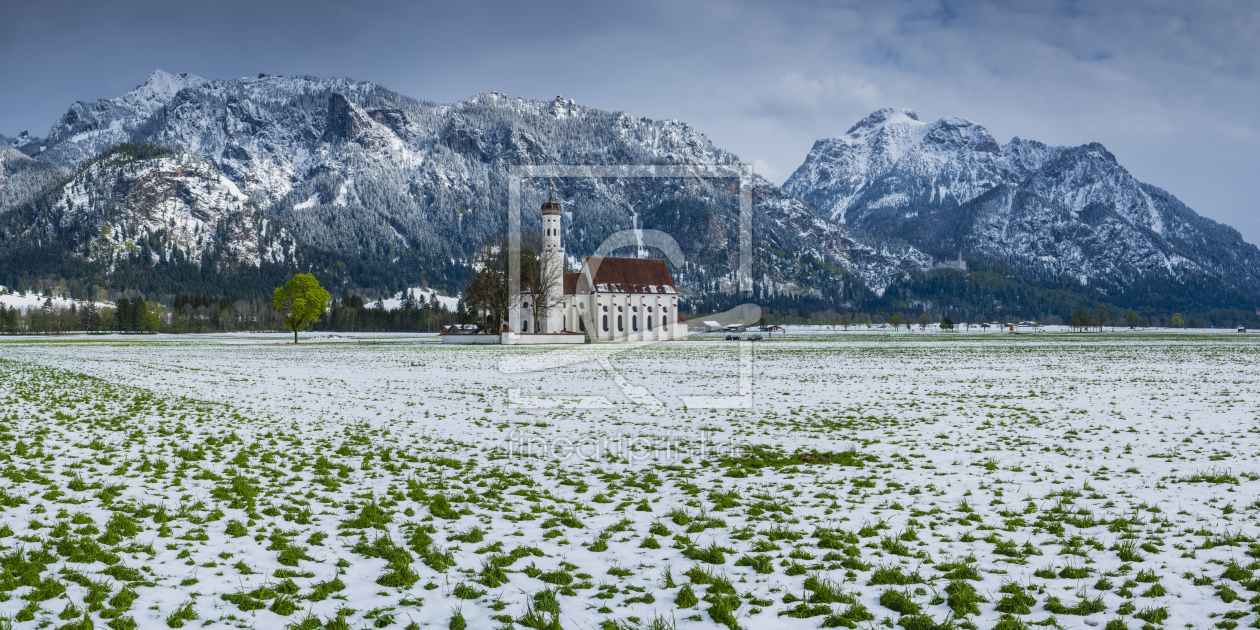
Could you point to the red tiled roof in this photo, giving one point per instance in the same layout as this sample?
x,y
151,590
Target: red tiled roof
x,y
623,275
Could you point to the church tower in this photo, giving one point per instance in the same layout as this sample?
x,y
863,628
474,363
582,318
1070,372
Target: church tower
x,y
553,264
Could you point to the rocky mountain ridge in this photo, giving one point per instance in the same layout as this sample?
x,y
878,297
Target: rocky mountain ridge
x,y
370,188
361,176
949,189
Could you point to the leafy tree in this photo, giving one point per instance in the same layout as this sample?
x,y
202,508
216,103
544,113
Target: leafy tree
x,y
1132,319
1080,319
302,301
924,320
1101,316
151,322
1176,321
895,321
947,323
89,317
845,321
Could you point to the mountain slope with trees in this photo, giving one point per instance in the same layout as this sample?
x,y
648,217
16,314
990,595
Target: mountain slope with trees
x,y
1048,216
381,191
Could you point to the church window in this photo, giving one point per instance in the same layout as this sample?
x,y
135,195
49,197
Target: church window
x,y
525,326
605,323
581,325
649,322
634,323
664,323
620,324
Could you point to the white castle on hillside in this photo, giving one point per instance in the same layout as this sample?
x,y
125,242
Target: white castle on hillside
x,y
611,299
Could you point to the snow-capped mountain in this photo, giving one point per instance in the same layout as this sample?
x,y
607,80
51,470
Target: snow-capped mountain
x,y
378,187
22,178
950,189
162,206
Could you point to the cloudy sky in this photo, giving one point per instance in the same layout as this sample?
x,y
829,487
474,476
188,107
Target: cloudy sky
x,y
1171,87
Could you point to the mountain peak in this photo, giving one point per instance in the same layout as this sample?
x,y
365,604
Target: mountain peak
x,y
885,116
163,85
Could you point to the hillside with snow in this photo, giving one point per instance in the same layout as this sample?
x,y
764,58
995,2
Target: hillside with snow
x,y
1048,213
371,189
378,188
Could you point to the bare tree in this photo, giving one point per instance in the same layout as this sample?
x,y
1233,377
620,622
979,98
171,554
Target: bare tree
x,y
488,295
542,277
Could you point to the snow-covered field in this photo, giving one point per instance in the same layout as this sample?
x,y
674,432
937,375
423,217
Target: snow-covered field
x,y
984,481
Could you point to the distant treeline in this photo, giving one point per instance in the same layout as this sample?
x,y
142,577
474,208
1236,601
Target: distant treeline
x,y
205,313
992,293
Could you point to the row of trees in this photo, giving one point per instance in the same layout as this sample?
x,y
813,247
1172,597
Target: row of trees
x,y
128,315
1080,319
350,314
205,314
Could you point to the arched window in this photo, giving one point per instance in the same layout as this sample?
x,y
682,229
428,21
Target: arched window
x,y
564,322
525,326
605,323
581,325
634,323
620,324
664,323
649,322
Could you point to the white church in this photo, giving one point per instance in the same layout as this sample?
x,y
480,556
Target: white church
x,y
610,299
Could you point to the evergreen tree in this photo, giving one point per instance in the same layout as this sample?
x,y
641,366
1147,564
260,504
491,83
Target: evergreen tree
x,y
122,315
138,312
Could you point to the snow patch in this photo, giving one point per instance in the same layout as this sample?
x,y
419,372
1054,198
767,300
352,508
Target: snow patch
x,y
421,294
309,203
